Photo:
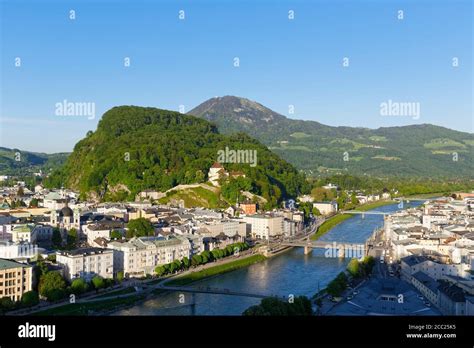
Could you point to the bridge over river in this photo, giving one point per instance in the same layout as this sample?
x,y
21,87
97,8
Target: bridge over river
x,y
217,291
349,250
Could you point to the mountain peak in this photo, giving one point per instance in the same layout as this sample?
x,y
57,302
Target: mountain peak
x,y
236,109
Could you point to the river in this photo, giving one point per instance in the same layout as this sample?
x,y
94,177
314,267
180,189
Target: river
x,y
291,273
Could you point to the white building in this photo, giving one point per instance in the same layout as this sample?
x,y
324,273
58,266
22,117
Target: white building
x,y
326,208
140,256
22,250
290,227
86,263
31,233
264,227
215,173
100,230
228,227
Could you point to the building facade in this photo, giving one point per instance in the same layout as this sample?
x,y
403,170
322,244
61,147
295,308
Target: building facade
x,y
86,263
140,256
15,279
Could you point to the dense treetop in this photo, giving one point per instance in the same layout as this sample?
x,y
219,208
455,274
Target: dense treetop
x,y
137,148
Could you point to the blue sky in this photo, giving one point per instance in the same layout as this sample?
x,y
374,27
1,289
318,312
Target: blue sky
x,y
185,62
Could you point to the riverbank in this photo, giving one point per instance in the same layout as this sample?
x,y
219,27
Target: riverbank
x,y
89,308
337,219
215,270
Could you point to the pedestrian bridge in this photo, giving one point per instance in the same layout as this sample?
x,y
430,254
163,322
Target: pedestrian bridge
x,y
217,291
369,212
335,249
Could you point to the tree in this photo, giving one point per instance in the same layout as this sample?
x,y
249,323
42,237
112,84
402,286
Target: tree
x,y
215,254
34,203
321,194
115,234
41,268
341,201
186,263
52,286
196,260
175,266
353,268
71,238
98,282
205,257
79,286
30,299
160,271
6,303
354,199
139,228
338,285
367,265
56,239
120,276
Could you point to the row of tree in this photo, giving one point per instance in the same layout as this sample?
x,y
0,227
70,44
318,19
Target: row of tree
x,y
359,269
337,285
29,299
200,259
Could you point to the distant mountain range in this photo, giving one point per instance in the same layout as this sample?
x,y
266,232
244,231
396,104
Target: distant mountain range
x,y
18,162
418,150
422,150
137,148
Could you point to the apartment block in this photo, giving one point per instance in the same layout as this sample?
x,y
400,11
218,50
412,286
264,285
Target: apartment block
x,y
86,263
15,279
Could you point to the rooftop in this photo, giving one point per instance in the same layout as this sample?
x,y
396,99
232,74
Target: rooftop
x,y
84,251
8,264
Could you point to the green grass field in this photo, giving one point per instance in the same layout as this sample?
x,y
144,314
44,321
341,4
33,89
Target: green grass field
x,y
337,219
211,271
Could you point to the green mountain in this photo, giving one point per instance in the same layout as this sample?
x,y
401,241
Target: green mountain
x,y
23,163
137,148
418,150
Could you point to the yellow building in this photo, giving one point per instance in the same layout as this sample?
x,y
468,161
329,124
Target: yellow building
x,y
15,279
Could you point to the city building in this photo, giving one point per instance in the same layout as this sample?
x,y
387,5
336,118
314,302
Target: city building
x,y
66,218
326,208
248,208
264,226
31,233
18,250
140,256
15,279
86,263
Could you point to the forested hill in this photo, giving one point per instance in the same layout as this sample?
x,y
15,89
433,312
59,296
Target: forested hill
x,y
24,163
137,148
422,150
